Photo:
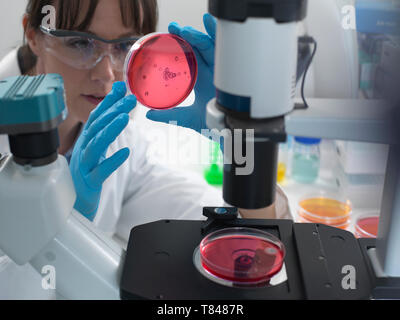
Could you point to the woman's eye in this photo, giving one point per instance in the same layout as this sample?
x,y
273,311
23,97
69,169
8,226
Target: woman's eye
x,y
78,43
124,46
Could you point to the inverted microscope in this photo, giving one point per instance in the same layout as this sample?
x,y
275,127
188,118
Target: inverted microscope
x,y
168,259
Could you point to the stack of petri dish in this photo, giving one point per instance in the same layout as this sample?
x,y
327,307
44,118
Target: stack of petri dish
x,y
325,208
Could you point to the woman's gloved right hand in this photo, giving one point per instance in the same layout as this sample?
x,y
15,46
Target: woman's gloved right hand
x,y
89,166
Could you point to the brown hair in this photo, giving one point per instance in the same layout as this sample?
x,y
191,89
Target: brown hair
x,y
142,15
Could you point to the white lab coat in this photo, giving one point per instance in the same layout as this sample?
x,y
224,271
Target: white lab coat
x,y
138,192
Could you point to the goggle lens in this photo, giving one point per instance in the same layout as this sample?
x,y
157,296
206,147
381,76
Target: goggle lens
x,y
86,53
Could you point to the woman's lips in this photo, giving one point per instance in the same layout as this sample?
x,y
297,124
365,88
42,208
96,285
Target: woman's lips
x,y
93,99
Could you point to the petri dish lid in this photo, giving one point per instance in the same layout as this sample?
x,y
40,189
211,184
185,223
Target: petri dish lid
x,y
242,255
161,70
367,226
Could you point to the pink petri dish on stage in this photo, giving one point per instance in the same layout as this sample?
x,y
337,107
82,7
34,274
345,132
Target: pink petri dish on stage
x,y
242,255
161,70
367,227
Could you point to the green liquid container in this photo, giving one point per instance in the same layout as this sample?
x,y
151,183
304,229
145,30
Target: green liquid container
x,y
214,172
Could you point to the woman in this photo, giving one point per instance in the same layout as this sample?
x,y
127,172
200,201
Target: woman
x,y
116,186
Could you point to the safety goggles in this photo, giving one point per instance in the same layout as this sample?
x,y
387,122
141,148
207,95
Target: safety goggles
x,y
82,50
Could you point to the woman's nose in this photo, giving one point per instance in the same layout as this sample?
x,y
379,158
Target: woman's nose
x,y
103,71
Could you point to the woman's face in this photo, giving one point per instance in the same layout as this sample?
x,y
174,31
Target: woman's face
x,y
85,89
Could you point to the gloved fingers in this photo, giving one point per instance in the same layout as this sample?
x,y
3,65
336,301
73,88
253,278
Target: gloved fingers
x,y
100,173
210,23
193,36
205,78
185,117
100,143
174,28
123,106
118,92
202,42
198,40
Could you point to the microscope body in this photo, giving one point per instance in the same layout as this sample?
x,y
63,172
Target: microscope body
x,y
258,95
255,79
37,193
36,203
38,224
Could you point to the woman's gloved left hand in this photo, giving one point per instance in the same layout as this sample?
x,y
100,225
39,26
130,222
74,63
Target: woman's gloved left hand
x,y
194,117
89,166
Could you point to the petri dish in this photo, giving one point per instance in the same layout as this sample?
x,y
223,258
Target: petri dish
x,y
325,208
242,255
367,226
161,70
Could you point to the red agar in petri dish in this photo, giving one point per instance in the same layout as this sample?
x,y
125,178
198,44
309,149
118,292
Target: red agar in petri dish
x,y
367,227
242,255
161,70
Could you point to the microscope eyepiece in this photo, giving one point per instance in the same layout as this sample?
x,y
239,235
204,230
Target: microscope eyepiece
x,y
31,108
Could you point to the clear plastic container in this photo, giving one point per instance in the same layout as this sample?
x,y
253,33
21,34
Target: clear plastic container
x,y
242,255
367,226
306,159
161,70
326,208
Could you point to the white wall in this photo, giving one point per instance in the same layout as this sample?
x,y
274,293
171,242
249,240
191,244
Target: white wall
x,y
334,68
335,65
11,33
185,12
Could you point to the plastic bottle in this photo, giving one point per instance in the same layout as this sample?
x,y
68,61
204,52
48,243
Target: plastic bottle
x,y
306,159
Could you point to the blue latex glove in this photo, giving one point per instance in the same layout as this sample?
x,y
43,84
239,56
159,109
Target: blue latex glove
x,y
89,166
194,117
